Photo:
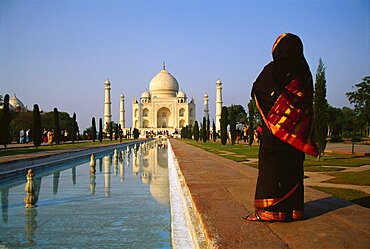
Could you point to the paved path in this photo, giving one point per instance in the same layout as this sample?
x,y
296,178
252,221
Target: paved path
x,y
347,148
223,190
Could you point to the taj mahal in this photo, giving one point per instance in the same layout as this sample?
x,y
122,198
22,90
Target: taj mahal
x,y
163,107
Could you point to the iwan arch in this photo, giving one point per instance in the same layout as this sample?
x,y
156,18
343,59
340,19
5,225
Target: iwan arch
x,y
163,107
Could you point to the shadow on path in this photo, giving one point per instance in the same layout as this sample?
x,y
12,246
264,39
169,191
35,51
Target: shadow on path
x,y
319,207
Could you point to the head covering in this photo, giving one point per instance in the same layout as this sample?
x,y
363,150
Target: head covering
x,y
287,53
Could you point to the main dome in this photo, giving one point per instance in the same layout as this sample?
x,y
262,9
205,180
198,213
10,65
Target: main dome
x,y
164,84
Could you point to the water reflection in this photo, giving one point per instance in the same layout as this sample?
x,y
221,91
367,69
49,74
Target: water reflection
x,y
92,183
56,182
30,224
74,175
107,164
4,203
129,177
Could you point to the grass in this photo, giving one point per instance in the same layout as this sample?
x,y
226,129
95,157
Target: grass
x,y
320,168
351,195
219,149
335,159
27,150
356,178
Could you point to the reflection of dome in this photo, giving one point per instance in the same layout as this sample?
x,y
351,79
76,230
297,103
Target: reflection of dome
x,y
17,104
145,95
181,94
164,84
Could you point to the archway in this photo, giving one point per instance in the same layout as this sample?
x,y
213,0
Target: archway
x,y
163,117
181,112
145,123
182,123
145,112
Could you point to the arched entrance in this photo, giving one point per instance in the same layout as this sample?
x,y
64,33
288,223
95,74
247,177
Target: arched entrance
x,y
163,117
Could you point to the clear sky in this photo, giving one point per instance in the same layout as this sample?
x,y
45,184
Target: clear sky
x,y
59,53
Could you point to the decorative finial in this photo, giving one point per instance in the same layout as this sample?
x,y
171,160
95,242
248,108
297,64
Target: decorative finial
x,y
30,198
164,65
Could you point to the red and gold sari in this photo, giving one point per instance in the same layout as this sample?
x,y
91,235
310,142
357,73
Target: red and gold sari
x,y
283,93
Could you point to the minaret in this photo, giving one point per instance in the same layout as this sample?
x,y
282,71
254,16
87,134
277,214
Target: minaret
x,y
107,104
218,104
206,110
122,111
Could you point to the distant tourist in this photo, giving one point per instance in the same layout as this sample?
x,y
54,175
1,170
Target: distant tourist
x,y
283,93
21,136
28,135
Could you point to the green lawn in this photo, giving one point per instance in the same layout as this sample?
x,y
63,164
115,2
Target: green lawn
x,y
357,178
329,163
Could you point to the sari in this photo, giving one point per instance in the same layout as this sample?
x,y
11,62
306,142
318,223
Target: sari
x,y
283,93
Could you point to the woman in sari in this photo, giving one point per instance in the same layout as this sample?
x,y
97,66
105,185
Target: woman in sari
x,y
283,93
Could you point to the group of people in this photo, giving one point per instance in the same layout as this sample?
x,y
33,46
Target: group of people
x,y
25,137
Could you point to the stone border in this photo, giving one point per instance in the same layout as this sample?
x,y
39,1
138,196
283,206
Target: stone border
x,y
186,229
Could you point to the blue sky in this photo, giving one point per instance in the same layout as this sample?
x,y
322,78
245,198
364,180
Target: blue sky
x,y
59,53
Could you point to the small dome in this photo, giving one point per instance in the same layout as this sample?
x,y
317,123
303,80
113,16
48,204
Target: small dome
x,y
206,95
164,85
181,94
17,104
107,82
145,95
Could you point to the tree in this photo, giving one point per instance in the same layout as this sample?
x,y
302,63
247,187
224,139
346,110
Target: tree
x,y
223,124
214,133
238,112
204,129
320,109
136,133
93,129
361,100
5,122
100,135
196,131
56,126
350,123
120,133
232,122
36,126
189,132
208,129
116,132
110,130
251,121
335,123
74,129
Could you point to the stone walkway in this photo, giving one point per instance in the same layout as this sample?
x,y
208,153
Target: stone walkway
x,y
222,191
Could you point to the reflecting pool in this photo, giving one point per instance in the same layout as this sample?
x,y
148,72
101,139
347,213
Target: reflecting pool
x,y
125,204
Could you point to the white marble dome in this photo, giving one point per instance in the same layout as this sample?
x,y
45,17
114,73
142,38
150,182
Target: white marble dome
x,y
164,85
145,95
17,104
181,94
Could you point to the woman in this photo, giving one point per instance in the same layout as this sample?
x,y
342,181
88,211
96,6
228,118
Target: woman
x,y
283,93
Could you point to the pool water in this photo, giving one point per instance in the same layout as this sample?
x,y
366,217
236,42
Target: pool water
x,y
124,205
